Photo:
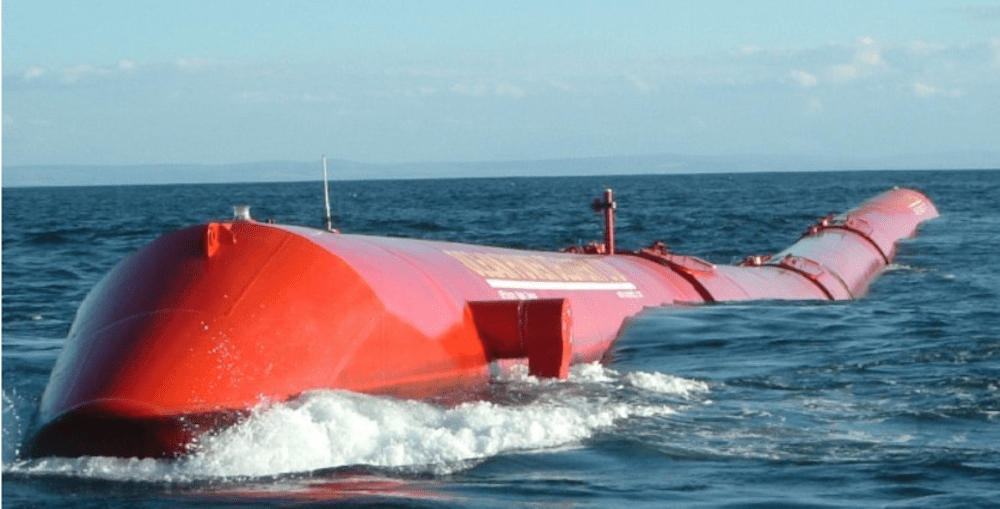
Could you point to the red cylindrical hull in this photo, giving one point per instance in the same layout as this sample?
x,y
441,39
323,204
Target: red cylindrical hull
x,y
210,321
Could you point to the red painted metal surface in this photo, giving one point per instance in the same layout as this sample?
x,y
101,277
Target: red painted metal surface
x,y
205,323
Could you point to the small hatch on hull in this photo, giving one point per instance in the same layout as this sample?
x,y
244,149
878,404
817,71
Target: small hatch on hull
x,y
241,213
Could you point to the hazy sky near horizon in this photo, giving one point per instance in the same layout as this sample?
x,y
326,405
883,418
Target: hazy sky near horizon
x,y
225,81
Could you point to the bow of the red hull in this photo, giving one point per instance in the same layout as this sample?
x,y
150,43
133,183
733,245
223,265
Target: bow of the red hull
x,y
206,323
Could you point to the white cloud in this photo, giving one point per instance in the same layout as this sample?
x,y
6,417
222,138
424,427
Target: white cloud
x,y
924,90
639,83
561,85
733,91
279,96
325,98
191,63
72,75
979,13
867,58
474,90
844,72
253,97
922,48
81,71
34,72
509,90
814,106
422,91
502,89
804,79
869,53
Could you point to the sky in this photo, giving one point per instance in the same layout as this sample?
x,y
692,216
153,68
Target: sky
x,y
121,82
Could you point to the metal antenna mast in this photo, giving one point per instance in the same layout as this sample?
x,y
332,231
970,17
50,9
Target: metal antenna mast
x,y
326,196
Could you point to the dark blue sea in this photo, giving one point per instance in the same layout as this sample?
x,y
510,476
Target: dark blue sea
x,y
889,401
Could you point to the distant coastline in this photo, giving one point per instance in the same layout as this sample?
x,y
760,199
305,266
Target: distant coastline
x,y
297,171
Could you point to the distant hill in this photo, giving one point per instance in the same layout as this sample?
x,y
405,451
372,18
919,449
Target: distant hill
x,y
295,171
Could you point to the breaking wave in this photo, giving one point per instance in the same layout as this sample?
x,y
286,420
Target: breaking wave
x,y
326,429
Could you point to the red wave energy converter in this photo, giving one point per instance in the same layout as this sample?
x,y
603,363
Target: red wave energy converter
x,y
192,331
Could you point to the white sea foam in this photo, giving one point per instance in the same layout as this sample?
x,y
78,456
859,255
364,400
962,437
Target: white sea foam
x,y
666,384
13,427
328,429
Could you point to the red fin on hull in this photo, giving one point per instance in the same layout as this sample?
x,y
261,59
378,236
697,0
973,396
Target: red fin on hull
x,y
540,330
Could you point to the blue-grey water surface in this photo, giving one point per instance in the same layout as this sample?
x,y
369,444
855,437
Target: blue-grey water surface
x,y
889,401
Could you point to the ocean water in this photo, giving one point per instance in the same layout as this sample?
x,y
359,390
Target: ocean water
x,y
889,401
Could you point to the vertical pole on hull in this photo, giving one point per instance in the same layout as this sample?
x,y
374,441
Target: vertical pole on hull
x,y
609,220
608,208
326,196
